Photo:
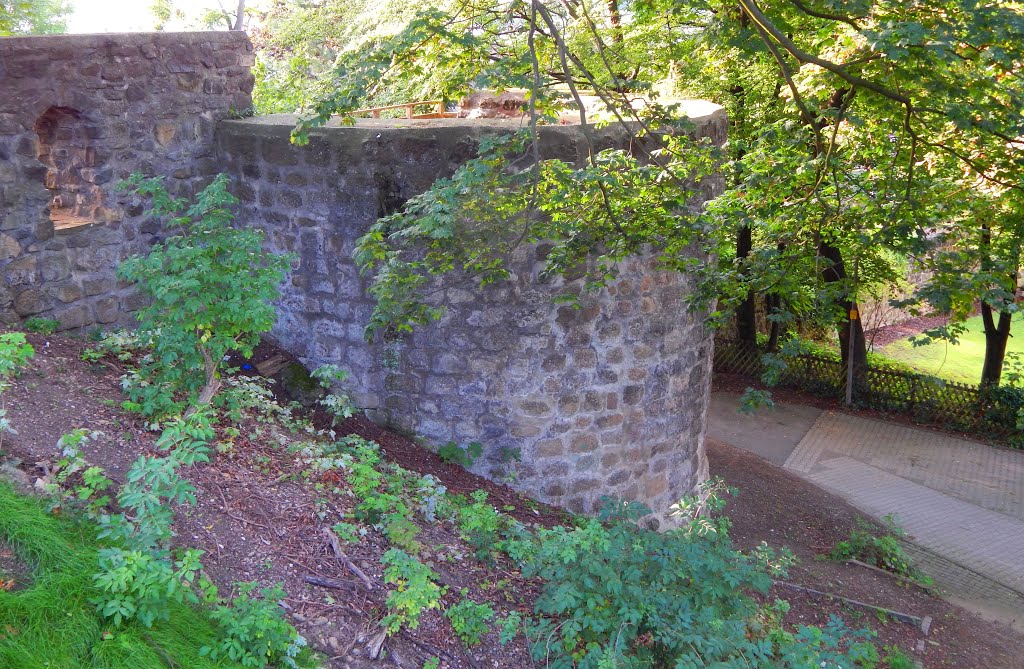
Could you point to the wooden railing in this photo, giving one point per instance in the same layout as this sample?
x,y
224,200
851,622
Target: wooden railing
x,y
409,107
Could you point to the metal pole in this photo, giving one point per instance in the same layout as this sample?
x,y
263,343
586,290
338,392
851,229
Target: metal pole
x,y
853,319
849,359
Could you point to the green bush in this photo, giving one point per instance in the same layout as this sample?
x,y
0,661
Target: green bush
x,y
896,658
210,290
615,594
879,550
416,590
480,525
137,577
470,620
14,354
254,630
44,326
453,454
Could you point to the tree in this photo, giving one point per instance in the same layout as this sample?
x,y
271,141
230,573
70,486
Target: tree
x,y
33,17
210,287
210,19
854,131
221,16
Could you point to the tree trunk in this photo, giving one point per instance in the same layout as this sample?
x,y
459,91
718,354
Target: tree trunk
x,y
997,335
834,273
746,313
239,16
773,303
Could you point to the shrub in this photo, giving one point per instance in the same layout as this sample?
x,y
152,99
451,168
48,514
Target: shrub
x,y
44,326
480,525
136,576
210,288
14,354
416,590
76,483
616,594
256,633
896,658
452,453
470,620
879,550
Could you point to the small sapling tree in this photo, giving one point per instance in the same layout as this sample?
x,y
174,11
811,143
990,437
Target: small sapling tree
x,y
211,288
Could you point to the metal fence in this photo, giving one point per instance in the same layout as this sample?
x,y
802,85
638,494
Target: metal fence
x,y
927,399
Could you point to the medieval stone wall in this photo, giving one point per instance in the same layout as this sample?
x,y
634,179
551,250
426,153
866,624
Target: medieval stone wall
x,y
608,399
78,113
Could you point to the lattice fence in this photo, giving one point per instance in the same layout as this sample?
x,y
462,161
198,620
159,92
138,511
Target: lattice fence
x,y
926,398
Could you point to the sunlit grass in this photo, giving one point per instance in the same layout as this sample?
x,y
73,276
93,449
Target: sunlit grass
x,y
954,362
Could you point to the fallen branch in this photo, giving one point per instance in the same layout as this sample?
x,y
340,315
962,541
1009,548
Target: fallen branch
x,y
340,554
328,583
899,577
902,617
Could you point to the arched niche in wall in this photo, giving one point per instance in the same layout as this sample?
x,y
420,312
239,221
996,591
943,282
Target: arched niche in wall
x,y
75,167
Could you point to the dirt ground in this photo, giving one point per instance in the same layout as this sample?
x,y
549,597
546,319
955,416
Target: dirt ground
x,y
258,519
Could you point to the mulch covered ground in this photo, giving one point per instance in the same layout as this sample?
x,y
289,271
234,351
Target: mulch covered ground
x,y
258,519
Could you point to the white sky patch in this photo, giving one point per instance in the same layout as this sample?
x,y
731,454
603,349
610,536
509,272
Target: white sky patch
x,y
118,16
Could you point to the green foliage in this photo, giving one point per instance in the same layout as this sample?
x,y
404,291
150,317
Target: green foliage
x,y
137,576
480,525
470,621
77,484
883,551
255,632
452,453
33,17
121,344
615,594
210,288
401,533
141,585
339,406
752,400
508,627
45,326
53,622
416,590
593,217
15,353
897,658
854,129
347,532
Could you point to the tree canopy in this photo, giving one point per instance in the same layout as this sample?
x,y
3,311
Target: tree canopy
x,y
864,135
33,17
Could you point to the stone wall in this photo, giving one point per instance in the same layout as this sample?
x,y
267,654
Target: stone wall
x,y
609,399
78,113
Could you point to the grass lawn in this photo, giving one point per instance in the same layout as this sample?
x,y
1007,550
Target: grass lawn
x,y
50,623
961,362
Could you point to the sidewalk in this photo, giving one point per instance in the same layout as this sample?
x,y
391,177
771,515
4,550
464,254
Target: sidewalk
x,y
960,502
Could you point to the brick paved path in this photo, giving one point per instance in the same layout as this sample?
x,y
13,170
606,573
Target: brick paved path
x,y
961,502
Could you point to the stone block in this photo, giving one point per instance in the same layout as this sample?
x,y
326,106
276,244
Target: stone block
x,y
583,443
67,292
30,301
107,310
